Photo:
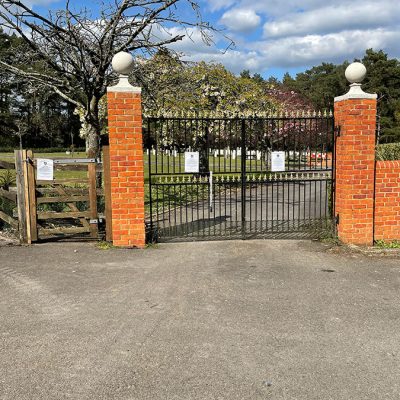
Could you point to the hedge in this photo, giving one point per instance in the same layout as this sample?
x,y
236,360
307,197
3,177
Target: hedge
x,y
388,152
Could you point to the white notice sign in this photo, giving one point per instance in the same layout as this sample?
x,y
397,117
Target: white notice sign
x,y
277,161
45,169
191,161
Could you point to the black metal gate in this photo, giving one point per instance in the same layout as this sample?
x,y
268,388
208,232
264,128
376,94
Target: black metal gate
x,y
256,177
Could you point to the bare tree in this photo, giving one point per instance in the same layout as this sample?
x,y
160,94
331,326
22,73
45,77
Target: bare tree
x,y
72,49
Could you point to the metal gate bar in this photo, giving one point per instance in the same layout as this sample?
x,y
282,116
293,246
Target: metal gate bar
x,y
235,194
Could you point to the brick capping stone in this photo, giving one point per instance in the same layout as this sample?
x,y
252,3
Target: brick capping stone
x,y
356,92
123,87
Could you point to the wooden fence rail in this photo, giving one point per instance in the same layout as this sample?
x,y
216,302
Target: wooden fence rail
x,y
9,195
6,165
61,206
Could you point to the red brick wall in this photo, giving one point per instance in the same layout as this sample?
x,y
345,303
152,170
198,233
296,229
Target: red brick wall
x,y
127,169
355,162
387,201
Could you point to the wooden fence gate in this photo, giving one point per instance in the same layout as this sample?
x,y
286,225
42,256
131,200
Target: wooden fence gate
x,y
62,205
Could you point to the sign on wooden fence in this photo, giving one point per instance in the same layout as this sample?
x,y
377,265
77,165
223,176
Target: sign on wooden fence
x,y
37,186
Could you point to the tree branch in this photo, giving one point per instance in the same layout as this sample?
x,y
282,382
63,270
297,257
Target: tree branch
x,y
44,79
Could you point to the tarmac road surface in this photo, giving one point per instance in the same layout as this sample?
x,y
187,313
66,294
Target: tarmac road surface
x,y
210,320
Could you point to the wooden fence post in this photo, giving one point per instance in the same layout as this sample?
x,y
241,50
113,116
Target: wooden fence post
x,y
94,227
31,181
20,156
26,196
107,192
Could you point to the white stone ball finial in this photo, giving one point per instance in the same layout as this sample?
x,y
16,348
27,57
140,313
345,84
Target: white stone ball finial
x,y
355,72
122,63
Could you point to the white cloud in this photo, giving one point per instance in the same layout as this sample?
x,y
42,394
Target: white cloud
x,y
215,5
302,33
33,3
333,47
268,7
193,48
334,19
193,41
240,20
234,61
290,51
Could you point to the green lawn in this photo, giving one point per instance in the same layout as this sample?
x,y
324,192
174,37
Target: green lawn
x,y
9,157
163,164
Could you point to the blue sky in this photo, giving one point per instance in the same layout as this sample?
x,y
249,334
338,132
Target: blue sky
x,y
275,36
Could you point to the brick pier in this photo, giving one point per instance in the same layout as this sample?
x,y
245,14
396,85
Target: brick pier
x,y
355,115
127,167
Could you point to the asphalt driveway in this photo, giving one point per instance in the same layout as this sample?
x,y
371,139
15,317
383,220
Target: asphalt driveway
x,y
211,320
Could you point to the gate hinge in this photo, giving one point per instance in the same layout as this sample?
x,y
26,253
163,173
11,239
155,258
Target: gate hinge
x,y
337,130
337,219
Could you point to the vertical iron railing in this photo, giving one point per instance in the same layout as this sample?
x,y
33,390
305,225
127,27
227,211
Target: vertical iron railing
x,y
243,175
248,198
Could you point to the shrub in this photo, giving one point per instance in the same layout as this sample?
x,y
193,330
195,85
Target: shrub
x,y
388,152
7,207
7,179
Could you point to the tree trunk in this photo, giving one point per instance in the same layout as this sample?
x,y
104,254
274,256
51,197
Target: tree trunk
x,y
93,128
203,148
92,142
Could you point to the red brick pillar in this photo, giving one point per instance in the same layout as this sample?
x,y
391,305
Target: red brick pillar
x,y
127,166
355,115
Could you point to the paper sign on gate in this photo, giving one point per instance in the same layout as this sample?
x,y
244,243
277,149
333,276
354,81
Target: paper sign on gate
x,y
277,161
192,161
45,169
